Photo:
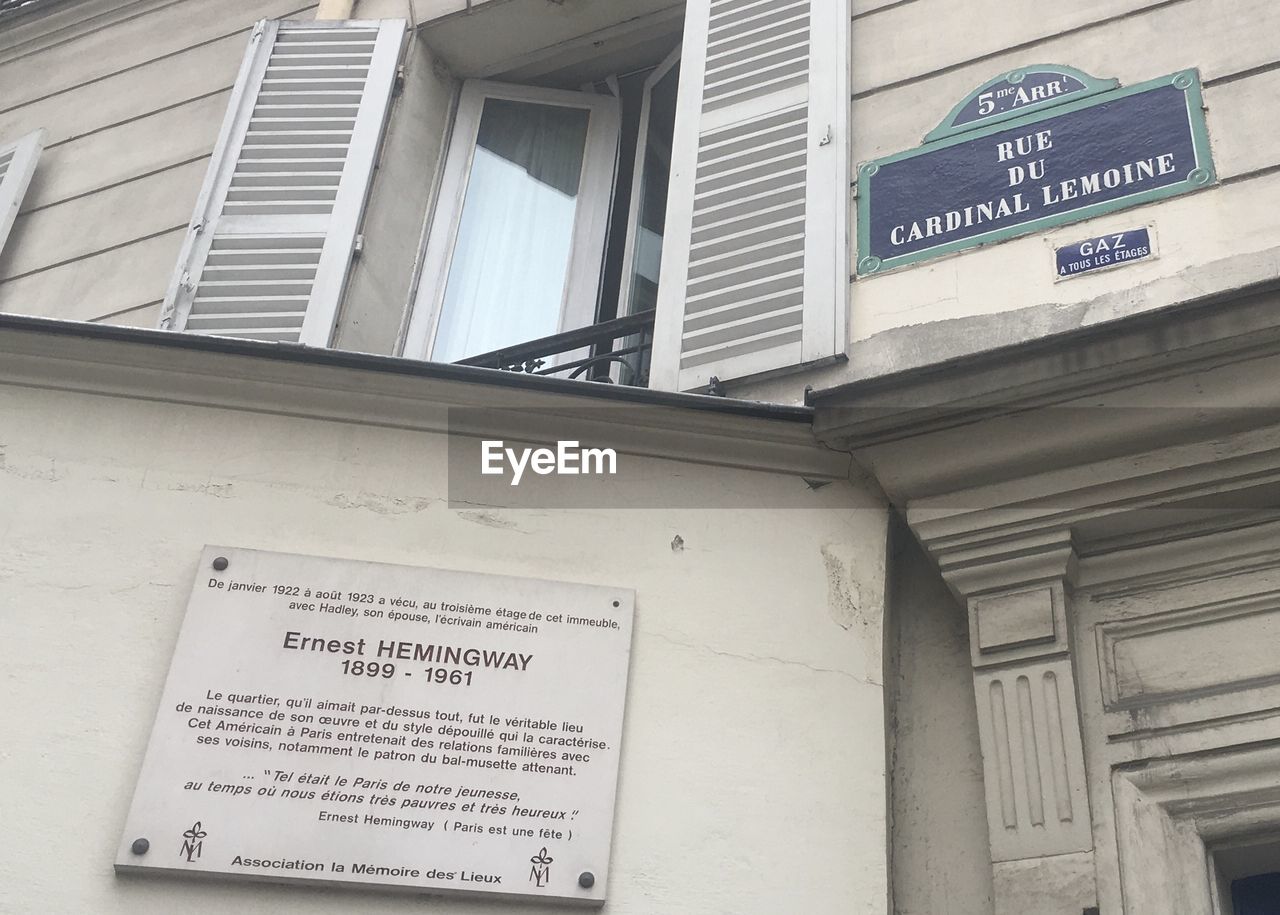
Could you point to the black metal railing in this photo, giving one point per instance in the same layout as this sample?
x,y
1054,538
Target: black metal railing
x,y
616,351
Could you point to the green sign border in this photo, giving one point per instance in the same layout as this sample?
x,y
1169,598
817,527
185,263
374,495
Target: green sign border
x,y
1202,176
1092,86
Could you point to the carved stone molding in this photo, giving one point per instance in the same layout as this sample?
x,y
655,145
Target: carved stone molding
x,y
1033,764
1205,663
1171,816
1016,591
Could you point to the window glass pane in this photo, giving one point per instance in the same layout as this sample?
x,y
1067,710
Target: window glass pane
x,y
652,212
1258,895
515,236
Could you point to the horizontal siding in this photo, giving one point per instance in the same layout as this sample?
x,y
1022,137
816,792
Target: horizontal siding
x,y
105,283
145,316
1156,42
866,7
131,96
118,215
27,30
168,30
133,93
133,150
1243,118
906,41
66,22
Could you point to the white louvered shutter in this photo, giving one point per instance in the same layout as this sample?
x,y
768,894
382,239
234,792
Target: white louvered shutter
x,y
271,242
17,165
754,270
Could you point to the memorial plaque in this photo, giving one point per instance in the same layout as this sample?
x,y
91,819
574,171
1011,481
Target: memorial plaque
x,y
371,725
1073,158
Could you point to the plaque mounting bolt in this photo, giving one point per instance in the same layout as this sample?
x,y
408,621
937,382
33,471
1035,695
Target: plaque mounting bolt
x,y
140,846
617,603
586,880
220,563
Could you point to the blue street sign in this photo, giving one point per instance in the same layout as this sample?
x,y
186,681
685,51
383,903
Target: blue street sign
x,y
1075,160
1018,92
1006,96
1103,251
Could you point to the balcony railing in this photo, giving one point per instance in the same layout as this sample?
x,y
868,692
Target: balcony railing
x,y
615,351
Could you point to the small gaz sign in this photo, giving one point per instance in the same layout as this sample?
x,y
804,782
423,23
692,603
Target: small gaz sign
x,y
1104,251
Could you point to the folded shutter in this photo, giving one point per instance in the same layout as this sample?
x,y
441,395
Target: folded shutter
x,y
754,271
17,164
271,242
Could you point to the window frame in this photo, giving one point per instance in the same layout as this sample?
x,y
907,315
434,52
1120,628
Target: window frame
x,y
24,153
580,296
626,291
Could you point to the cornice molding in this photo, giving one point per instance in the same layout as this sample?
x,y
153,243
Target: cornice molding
x,y
1167,343
998,566
371,390
1137,494
1146,429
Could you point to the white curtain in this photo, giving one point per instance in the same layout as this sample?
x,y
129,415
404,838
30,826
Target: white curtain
x,y
510,261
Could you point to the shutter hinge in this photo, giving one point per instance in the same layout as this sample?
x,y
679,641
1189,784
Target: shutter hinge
x,y
258,29
826,137
358,248
398,86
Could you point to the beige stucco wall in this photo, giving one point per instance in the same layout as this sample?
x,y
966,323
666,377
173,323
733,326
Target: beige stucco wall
x,y
940,863
913,61
752,778
132,96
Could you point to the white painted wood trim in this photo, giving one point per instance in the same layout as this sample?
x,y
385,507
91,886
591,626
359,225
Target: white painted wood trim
x,y
195,245
357,178
26,152
637,181
581,290
826,95
339,227
827,204
668,329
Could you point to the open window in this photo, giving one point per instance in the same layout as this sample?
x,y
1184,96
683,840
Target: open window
x,y
651,176
544,249
518,235
1246,872
651,200
725,250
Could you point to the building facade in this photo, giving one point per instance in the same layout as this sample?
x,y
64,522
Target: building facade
x,y
951,528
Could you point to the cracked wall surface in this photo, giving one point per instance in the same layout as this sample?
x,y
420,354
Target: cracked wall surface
x,y
752,778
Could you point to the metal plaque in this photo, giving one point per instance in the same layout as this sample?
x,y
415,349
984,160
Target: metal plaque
x,y
1104,251
1019,92
1079,158
371,725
